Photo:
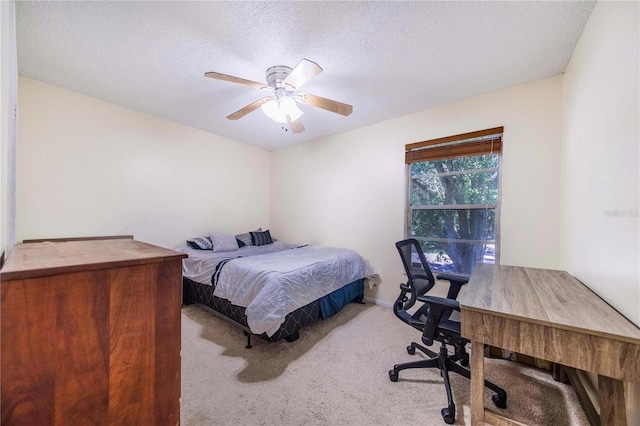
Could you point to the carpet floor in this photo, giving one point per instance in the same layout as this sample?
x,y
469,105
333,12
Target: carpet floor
x,y
337,374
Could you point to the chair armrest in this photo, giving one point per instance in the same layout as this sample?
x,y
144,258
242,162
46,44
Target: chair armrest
x,y
440,303
438,306
455,284
450,277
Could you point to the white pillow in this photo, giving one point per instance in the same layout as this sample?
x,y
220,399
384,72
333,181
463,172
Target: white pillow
x,y
223,242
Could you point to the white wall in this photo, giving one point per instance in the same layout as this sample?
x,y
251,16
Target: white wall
x,y
600,161
87,167
600,194
349,189
8,99
4,122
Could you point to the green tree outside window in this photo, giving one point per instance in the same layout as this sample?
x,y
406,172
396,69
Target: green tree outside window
x,y
453,205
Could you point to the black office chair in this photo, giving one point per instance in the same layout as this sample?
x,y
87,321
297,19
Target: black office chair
x,y
432,318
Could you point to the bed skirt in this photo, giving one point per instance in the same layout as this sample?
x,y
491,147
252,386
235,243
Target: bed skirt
x,y
194,292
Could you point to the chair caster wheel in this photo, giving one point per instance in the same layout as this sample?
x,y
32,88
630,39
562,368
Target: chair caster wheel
x,y
448,417
393,376
499,401
411,350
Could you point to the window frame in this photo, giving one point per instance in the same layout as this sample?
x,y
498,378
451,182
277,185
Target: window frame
x,y
497,207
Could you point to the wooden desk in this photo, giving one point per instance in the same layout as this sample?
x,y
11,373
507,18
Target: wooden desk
x,y
553,316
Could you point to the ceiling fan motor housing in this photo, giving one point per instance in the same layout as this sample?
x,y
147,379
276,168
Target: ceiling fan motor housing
x,y
276,75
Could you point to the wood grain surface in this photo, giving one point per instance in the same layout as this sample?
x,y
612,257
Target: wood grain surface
x,y
104,237
99,347
50,258
601,355
477,383
546,297
550,315
612,404
168,331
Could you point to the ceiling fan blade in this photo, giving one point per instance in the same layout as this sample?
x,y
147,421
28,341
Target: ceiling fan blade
x,y
303,72
233,79
295,126
249,108
324,103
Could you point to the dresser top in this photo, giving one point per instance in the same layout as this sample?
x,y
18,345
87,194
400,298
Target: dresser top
x,y
31,260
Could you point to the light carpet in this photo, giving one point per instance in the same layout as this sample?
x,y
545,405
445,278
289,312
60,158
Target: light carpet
x,y
337,374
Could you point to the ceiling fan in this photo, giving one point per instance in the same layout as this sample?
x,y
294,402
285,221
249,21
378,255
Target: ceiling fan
x,y
285,82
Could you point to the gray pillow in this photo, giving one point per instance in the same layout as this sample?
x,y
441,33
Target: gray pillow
x,y
261,238
245,239
223,242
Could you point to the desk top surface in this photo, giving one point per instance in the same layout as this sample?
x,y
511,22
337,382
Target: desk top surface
x,y
548,297
32,260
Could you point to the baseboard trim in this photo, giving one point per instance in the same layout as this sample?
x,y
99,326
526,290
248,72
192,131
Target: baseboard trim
x,y
378,302
591,410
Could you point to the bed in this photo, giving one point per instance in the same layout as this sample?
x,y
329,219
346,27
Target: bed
x,y
274,290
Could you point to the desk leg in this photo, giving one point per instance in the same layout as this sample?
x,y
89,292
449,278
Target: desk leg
x,y
477,384
612,407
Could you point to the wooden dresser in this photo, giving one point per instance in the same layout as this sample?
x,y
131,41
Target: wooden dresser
x,y
90,333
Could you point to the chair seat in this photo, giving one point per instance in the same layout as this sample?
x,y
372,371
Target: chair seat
x,y
420,318
450,326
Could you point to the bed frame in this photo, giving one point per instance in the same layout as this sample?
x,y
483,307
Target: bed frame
x,y
194,292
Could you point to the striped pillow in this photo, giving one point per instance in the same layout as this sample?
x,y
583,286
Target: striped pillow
x,y
200,243
261,238
245,239
223,242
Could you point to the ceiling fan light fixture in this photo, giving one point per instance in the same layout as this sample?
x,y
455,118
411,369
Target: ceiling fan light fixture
x,y
289,107
270,108
287,104
278,110
280,117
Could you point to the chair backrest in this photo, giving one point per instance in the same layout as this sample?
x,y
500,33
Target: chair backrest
x,y
420,278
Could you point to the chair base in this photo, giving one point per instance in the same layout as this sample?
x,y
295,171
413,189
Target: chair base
x,y
445,363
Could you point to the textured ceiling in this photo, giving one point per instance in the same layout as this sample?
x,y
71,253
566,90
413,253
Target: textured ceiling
x,y
387,59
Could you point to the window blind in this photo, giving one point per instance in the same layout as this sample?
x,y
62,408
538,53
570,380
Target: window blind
x,y
488,141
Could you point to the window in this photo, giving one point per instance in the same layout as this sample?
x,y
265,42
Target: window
x,y
454,199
